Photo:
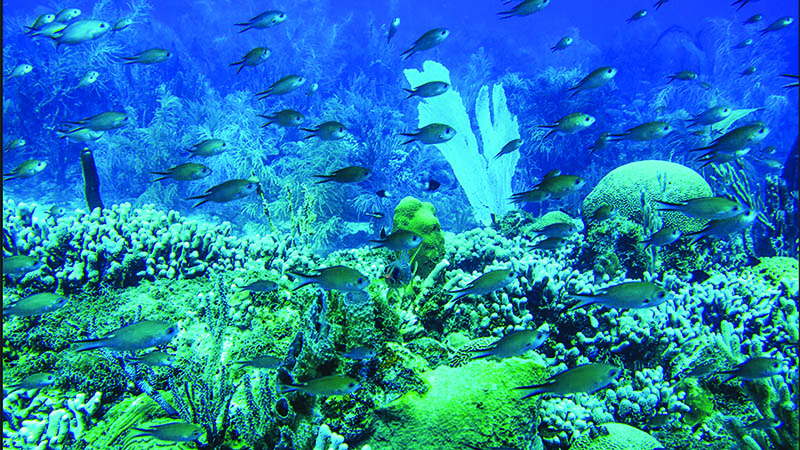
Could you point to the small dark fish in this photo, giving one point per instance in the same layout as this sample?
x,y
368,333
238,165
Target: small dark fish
x,y
701,370
172,432
325,386
753,19
261,286
511,146
360,353
398,240
383,194
340,278
393,28
658,421
585,378
551,243
35,305
351,174
34,381
375,214
754,368
432,185
398,273
749,71
20,265
225,192
156,359
184,172
261,362
637,15
698,276
430,39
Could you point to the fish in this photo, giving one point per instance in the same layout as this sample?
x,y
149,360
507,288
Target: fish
x,y
488,282
724,227
698,276
515,343
82,135
645,132
14,144
151,56
533,196
795,83
376,214
525,8
778,24
261,286
20,265
285,118
398,240
429,89
311,89
432,185
106,121
715,157
768,150
748,71
427,41
324,386
393,29
765,423
81,31
711,116
658,421
25,170
283,86
398,273
156,359
19,71
753,369
704,208
562,44
684,75
744,44
571,123
184,172
88,78
121,24
604,212
225,192
705,85
264,20
551,243
551,174
50,30
67,14
435,133
701,370
659,3
35,305
327,131
172,432
753,19
662,237
383,193
351,174
640,14
133,337
599,144
41,20
741,3
510,146
261,362
252,58
560,186
596,78
55,212
559,229
360,353
339,278
628,295
208,147
584,378
34,381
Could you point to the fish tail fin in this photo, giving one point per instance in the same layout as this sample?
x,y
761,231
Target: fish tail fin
x,y
584,300
409,141
537,389
326,177
89,344
304,279
411,93
9,177
549,134
239,69
285,388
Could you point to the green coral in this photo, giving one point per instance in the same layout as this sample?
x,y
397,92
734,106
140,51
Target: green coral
x,y
420,217
619,437
613,246
624,187
475,403
778,271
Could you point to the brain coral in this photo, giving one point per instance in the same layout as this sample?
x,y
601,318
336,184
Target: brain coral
x,y
624,186
619,437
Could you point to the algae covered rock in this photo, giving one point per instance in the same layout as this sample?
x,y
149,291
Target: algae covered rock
x,y
475,403
624,187
619,437
420,217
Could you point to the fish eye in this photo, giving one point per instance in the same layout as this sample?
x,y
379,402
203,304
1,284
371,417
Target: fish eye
x,y
443,32
662,294
102,25
608,71
351,384
666,128
224,144
577,182
360,280
171,330
341,130
587,119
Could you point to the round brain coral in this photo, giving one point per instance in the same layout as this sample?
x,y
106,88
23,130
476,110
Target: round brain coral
x,y
624,186
619,437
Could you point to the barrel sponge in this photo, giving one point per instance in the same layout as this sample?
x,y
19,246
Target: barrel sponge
x,y
420,218
623,187
619,437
